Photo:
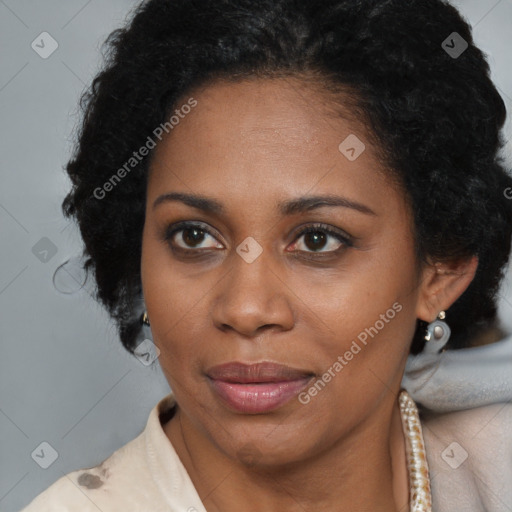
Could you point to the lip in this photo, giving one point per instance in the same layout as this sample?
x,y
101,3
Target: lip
x,y
259,387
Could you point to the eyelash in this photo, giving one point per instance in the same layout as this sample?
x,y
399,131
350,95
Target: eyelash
x,y
313,228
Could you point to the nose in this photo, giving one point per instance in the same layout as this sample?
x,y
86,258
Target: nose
x,y
253,297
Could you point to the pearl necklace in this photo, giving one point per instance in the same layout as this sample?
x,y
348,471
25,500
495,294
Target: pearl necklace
x,y
417,466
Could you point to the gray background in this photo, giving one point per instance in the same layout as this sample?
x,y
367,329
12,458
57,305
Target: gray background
x,y
64,377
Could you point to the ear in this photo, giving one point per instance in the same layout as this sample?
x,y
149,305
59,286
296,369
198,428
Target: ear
x,y
442,284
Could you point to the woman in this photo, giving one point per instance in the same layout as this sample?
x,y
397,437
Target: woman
x,y
296,198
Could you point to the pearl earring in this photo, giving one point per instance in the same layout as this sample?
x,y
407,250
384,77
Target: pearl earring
x,y
437,335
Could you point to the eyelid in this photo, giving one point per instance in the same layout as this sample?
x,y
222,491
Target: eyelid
x,y
326,228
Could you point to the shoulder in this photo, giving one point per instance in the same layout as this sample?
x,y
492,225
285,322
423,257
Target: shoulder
x,y
119,482
469,454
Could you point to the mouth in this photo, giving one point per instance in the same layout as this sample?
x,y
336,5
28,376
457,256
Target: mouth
x,y
257,388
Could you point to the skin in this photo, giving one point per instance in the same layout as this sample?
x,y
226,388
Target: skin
x,y
249,145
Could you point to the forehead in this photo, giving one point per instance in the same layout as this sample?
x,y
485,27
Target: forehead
x,y
273,136
277,111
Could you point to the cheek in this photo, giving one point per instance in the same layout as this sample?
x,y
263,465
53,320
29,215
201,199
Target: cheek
x,y
357,294
371,335
367,317
173,304
167,292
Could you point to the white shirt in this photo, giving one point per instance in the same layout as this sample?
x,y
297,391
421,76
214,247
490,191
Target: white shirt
x,y
469,451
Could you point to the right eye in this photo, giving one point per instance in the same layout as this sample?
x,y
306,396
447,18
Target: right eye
x,y
191,234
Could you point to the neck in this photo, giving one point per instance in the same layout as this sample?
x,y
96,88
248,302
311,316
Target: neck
x,y
366,470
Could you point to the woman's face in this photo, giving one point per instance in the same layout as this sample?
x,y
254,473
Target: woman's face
x,y
245,285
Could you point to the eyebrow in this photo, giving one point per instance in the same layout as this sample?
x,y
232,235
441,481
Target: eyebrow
x,y
289,207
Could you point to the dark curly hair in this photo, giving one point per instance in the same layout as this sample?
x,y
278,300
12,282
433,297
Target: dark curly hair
x,y
436,118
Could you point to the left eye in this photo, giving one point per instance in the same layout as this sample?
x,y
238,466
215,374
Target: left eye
x,y
316,237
